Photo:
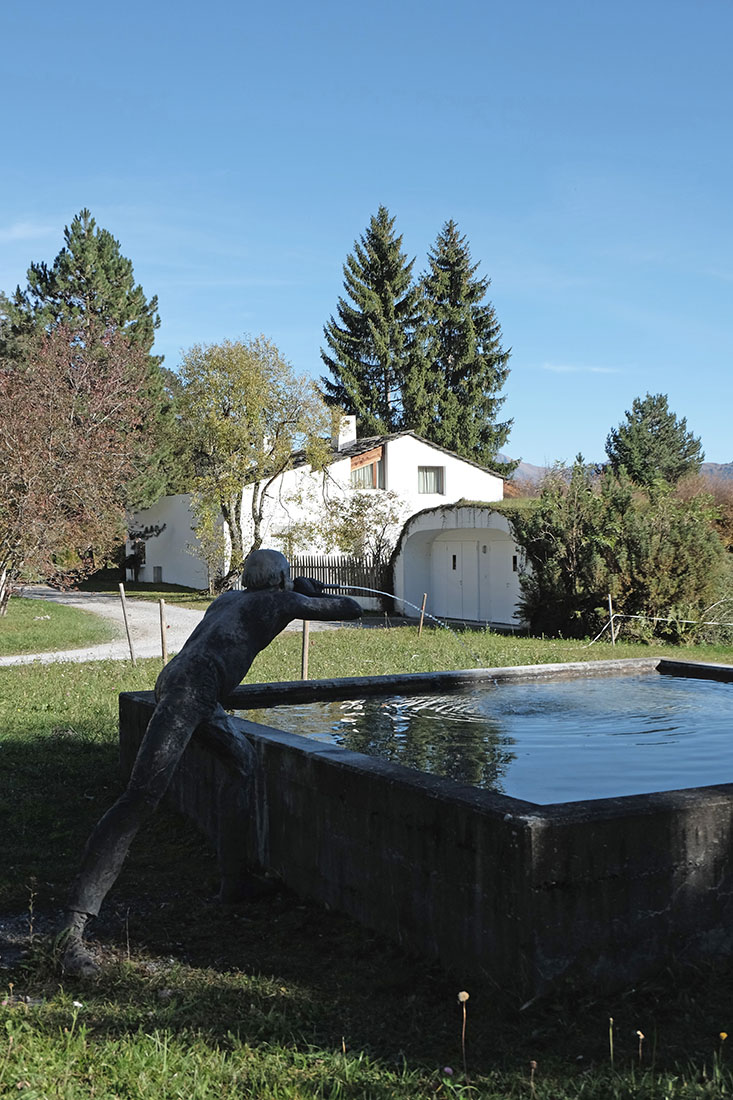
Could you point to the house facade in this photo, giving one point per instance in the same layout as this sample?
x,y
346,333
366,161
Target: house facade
x,y
420,474
463,558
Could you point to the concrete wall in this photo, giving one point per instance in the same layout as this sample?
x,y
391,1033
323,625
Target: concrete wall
x,y
521,895
462,480
169,551
465,558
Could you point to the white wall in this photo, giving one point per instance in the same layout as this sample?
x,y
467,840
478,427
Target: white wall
x,y
462,480
402,457
284,511
466,560
168,550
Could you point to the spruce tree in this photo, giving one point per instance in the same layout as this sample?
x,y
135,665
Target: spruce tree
x,y
453,396
89,290
89,281
370,344
653,444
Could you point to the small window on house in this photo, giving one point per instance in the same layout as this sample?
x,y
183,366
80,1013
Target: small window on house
x,y
157,574
368,477
430,479
515,563
453,563
367,470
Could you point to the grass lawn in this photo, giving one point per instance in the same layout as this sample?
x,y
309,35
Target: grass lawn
x,y
41,626
282,998
171,593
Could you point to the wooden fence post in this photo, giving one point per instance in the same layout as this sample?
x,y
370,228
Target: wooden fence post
x,y
163,628
127,625
304,653
422,613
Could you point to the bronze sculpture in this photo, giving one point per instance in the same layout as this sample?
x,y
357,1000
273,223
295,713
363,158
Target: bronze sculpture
x,y
190,691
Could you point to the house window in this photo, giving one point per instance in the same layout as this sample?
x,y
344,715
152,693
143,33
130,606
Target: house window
x,y
367,470
430,479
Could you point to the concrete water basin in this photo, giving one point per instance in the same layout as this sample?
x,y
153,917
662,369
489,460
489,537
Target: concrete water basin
x,y
597,892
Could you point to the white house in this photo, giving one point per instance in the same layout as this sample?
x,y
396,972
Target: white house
x,y
464,558
421,474
169,556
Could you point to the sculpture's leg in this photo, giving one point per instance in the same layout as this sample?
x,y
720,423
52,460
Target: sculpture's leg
x,y
235,810
167,736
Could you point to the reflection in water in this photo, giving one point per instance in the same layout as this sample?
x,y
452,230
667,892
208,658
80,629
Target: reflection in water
x,y
441,735
550,741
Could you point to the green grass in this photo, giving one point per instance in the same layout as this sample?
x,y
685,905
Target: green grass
x,y
171,593
41,626
282,998
376,651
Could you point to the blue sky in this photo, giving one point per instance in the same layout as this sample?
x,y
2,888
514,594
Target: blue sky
x,y
237,151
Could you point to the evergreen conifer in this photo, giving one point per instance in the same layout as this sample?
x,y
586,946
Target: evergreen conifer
x,y
90,290
653,444
89,280
451,396
370,344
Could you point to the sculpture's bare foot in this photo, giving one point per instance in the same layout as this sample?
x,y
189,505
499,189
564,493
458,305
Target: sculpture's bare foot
x,y
78,961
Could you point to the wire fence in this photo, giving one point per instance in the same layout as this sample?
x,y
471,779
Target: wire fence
x,y
620,617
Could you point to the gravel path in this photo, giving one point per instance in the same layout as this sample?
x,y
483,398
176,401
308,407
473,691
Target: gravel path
x,y
143,617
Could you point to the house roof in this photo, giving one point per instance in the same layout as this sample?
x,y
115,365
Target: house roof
x,y
351,450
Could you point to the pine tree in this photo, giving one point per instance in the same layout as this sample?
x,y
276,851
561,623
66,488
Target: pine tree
x,y
90,280
369,346
653,444
90,289
452,396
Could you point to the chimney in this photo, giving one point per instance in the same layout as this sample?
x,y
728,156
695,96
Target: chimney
x,y
346,433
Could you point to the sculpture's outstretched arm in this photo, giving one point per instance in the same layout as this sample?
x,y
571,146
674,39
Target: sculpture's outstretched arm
x,y
325,608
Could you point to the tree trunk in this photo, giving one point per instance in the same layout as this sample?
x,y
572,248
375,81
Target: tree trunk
x,y
5,590
258,507
230,512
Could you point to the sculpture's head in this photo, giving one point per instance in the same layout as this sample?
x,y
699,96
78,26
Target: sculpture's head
x,y
266,569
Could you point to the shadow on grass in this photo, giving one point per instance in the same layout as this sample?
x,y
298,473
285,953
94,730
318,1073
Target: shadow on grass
x,y
279,966
282,970
60,784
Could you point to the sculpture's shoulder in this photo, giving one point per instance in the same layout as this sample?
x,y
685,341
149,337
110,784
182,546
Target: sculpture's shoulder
x,y
226,599
249,603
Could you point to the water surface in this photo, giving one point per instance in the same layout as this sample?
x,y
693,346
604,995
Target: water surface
x,y
554,741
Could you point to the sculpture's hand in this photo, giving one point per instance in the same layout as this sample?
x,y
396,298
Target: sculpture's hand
x,y
308,586
350,609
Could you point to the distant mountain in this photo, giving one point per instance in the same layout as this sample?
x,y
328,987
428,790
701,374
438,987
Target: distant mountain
x,y
525,471
720,471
